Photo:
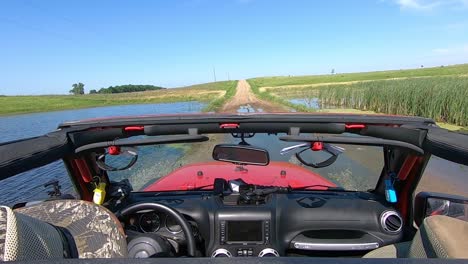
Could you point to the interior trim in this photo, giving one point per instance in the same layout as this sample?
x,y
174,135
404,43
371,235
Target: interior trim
x,y
335,246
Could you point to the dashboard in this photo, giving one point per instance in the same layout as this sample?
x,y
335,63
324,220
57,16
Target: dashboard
x,y
300,223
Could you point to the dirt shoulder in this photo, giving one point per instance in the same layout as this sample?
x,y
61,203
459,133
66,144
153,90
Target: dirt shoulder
x,y
244,96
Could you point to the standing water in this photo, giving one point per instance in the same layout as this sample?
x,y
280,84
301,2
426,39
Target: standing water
x,y
439,176
28,185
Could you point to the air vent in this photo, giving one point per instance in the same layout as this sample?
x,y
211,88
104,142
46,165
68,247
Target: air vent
x,y
391,222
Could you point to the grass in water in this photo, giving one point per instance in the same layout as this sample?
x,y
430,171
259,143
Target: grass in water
x,y
276,99
443,99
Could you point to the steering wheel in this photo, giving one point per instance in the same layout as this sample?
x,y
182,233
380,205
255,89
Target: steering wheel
x,y
186,228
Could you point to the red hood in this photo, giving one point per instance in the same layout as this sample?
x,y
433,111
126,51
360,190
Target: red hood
x,y
275,174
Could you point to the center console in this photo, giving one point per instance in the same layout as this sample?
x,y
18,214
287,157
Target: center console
x,y
241,232
245,234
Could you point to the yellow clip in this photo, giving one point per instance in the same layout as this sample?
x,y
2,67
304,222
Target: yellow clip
x,y
99,193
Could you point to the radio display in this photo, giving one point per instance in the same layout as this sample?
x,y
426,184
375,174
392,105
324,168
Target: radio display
x,y
244,231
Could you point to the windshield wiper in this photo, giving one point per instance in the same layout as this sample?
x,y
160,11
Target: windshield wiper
x,y
259,190
307,187
200,187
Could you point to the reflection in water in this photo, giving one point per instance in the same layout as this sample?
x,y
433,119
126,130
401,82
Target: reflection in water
x,y
36,124
246,109
27,186
313,103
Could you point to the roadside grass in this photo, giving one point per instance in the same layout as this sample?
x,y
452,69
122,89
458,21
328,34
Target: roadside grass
x,y
208,93
362,76
444,98
216,104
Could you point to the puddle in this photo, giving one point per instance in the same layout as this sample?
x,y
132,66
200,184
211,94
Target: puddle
x,y
245,109
314,103
248,109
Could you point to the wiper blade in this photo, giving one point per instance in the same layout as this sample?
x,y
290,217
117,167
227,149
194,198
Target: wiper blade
x,y
328,188
199,187
260,190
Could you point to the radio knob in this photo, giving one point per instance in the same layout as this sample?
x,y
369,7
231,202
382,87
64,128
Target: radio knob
x,y
221,253
268,252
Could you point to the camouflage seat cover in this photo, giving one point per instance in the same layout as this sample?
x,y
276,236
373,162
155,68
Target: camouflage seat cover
x,y
95,231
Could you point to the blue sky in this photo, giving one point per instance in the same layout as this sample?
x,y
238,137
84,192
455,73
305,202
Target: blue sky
x,y
46,45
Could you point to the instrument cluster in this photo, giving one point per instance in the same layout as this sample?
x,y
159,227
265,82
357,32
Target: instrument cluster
x,y
153,222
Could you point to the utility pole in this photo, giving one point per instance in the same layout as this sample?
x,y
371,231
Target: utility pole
x,y
214,73
229,78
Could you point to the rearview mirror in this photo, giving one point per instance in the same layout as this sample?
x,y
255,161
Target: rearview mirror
x,y
429,203
241,154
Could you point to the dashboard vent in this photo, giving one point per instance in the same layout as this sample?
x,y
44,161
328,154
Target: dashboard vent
x,y
391,222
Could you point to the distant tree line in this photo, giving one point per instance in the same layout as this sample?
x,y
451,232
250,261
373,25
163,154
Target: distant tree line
x,y
128,88
77,88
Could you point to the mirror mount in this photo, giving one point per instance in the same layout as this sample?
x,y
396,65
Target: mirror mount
x,y
243,136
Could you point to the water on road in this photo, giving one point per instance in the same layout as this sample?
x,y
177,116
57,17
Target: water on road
x,y
28,185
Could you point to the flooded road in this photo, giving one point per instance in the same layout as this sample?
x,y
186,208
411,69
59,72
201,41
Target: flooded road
x,y
365,163
28,185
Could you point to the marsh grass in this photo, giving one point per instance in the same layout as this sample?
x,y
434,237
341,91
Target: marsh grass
x,y
442,98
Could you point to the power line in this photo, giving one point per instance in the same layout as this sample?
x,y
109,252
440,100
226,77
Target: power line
x,y
214,73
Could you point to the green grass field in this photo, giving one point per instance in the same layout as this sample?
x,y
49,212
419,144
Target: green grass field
x,y
211,93
362,76
437,93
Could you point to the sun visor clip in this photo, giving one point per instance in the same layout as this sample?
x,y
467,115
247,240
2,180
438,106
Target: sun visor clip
x,y
294,131
193,131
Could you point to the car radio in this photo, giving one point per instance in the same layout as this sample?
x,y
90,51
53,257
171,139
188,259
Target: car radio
x,y
244,232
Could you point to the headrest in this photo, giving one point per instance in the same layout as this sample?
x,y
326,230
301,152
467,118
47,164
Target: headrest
x,y
25,238
440,237
70,228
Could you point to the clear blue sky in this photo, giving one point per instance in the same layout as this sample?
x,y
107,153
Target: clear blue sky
x,y
46,45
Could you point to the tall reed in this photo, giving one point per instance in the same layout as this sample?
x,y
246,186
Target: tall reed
x,y
443,99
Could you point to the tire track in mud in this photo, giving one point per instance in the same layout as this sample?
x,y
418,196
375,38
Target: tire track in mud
x,y
245,97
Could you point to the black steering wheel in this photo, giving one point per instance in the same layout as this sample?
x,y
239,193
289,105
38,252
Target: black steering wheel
x,y
186,228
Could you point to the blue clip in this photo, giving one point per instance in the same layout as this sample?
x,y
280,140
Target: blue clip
x,y
390,193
